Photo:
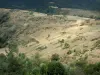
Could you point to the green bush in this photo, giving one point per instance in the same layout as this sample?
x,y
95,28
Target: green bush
x,y
43,69
36,71
7,30
15,63
6,34
55,57
97,18
92,69
36,60
81,63
55,68
75,71
66,46
4,17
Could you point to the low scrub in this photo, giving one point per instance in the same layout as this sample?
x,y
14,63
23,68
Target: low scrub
x,y
15,63
7,30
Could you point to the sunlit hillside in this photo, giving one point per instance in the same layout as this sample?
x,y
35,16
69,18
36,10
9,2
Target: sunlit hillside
x,y
50,37
49,34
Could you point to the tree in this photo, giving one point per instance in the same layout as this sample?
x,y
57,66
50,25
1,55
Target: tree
x,y
55,68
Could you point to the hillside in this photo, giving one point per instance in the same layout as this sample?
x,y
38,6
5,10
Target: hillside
x,y
71,37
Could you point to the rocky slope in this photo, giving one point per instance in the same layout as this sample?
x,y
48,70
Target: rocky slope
x,y
71,37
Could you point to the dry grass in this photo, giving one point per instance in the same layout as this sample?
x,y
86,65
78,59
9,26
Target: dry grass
x,y
40,33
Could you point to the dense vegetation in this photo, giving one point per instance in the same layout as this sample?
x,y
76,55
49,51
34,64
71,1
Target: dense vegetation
x,y
15,63
7,29
81,4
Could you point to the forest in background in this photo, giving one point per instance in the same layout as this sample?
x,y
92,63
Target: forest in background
x,y
31,4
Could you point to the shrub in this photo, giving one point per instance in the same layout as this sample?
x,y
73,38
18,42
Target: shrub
x,y
36,60
43,69
36,71
96,45
66,45
97,17
13,47
63,44
61,41
6,34
4,17
41,48
7,30
13,63
2,42
75,71
69,52
15,66
55,57
92,69
81,63
55,68
3,66
67,69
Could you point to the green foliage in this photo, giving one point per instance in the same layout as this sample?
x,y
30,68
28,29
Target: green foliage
x,y
96,45
63,44
15,67
43,69
66,45
4,17
37,60
2,63
69,52
55,68
13,47
7,30
36,71
75,71
55,57
81,63
15,63
97,17
92,69
3,37
49,10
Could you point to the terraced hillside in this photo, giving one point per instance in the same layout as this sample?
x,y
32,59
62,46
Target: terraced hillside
x,y
71,37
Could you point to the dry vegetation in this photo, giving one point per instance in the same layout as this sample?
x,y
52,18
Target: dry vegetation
x,y
71,37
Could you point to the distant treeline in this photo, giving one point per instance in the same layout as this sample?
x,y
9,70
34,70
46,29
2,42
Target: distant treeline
x,y
81,4
29,4
23,3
